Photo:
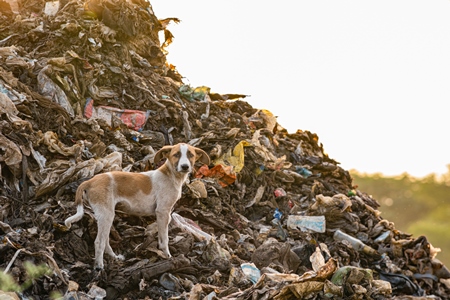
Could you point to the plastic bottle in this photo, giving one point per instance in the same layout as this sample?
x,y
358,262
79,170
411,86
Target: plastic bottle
x,y
356,243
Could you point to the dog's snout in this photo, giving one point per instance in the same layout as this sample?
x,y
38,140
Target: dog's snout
x,y
185,167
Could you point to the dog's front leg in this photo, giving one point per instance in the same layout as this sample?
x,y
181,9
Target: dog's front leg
x,y
162,221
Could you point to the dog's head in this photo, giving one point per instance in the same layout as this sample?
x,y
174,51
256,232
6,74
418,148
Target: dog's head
x,y
182,157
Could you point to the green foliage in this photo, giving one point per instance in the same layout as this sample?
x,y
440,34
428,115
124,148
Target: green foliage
x,y
8,284
416,206
32,271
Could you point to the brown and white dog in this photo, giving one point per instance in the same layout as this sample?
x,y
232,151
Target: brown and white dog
x,y
148,193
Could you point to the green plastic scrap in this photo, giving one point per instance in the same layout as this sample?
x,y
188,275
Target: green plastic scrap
x,y
350,273
192,94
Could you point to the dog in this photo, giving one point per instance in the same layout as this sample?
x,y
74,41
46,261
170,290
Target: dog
x,y
153,192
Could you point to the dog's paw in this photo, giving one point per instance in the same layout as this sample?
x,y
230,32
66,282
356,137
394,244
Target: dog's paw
x,y
98,267
120,257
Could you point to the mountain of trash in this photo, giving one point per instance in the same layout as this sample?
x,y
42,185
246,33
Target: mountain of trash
x,y
85,88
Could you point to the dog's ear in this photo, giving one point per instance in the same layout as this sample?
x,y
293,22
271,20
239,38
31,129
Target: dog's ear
x,y
162,153
202,156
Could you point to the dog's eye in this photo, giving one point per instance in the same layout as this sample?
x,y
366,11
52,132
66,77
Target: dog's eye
x,y
190,155
177,155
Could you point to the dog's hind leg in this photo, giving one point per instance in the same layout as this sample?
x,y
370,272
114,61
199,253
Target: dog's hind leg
x,y
105,219
110,251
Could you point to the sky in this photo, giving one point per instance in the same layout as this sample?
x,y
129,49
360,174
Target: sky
x,y
370,78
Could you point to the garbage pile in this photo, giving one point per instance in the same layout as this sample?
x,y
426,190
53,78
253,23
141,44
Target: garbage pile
x,y
86,89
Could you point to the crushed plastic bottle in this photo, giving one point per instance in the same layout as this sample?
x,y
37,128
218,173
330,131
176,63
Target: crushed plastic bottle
x,y
356,243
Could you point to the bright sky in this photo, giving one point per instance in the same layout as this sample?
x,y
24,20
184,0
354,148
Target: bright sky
x,y
371,78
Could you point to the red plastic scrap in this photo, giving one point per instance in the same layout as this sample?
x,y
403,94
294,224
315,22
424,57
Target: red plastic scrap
x,y
134,119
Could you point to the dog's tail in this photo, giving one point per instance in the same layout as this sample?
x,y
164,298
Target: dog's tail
x,y
79,202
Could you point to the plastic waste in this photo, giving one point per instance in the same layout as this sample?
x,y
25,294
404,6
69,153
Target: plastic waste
x,y
11,154
381,287
54,145
383,237
279,192
357,275
217,256
234,158
439,269
351,193
211,296
402,284
258,196
259,169
355,243
14,5
269,119
283,176
280,232
51,8
317,260
307,223
198,189
191,94
97,292
107,69
303,171
50,89
237,276
61,173
326,203
337,211
276,253
271,161
251,271
190,226
134,119
277,214
301,290
224,174
8,107
170,282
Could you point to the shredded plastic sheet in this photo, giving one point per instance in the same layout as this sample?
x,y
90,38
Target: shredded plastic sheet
x,y
63,171
224,174
11,154
236,159
134,119
49,88
191,227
